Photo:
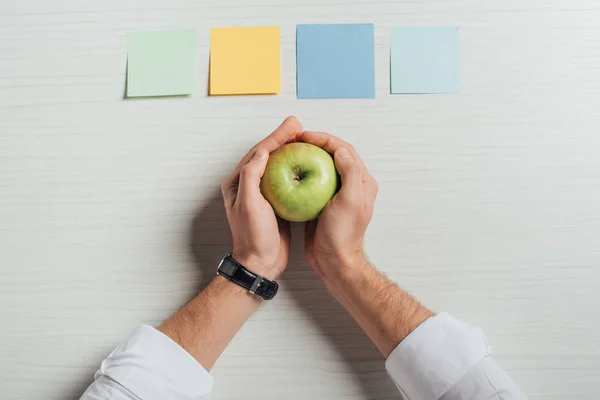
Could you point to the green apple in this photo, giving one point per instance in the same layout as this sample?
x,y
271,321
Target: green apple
x,y
299,180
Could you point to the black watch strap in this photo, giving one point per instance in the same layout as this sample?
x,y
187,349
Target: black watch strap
x,y
254,283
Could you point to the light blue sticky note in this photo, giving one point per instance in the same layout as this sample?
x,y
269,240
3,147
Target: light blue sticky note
x,y
335,61
425,60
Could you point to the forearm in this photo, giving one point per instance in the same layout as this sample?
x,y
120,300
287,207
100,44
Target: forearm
x,y
173,360
386,313
428,358
205,326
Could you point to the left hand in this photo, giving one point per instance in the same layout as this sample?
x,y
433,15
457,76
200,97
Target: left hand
x,y
261,241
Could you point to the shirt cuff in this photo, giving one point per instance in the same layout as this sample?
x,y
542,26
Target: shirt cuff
x,y
152,366
434,357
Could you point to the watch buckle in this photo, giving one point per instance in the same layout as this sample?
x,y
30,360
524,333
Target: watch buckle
x,y
257,282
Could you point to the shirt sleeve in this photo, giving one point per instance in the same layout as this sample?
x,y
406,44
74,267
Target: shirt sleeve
x,y
446,359
148,366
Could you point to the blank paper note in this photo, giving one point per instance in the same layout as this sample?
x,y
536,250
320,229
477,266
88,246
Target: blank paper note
x,y
335,61
245,60
161,63
425,60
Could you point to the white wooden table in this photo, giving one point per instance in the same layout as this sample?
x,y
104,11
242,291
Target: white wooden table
x,y
489,204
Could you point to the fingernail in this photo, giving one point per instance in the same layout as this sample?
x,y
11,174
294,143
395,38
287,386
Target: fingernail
x,y
260,155
343,152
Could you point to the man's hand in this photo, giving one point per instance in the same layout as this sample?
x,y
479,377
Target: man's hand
x,y
334,246
336,238
261,241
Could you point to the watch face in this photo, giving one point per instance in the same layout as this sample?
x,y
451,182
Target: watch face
x,y
227,267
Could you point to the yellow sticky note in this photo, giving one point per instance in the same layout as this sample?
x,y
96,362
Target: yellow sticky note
x,y
245,60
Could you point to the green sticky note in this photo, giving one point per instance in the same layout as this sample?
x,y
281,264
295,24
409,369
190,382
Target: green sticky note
x,y
161,63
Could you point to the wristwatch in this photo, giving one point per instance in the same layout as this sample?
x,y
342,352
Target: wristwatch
x,y
254,283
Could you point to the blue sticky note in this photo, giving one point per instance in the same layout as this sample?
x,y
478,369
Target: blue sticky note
x,y
425,60
335,61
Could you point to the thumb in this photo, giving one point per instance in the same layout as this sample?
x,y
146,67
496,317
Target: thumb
x,y
250,174
350,172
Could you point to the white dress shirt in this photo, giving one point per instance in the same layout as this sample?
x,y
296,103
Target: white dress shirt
x,y
443,359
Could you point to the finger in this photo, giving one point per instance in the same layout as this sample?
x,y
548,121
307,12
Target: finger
x,y
349,170
286,132
250,174
330,144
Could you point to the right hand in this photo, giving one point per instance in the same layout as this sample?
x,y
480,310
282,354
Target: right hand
x,y
335,239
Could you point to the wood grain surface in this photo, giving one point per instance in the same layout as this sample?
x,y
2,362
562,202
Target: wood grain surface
x,y
489,208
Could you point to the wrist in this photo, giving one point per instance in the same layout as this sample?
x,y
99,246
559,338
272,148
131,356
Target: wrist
x,y
224,285
341,265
